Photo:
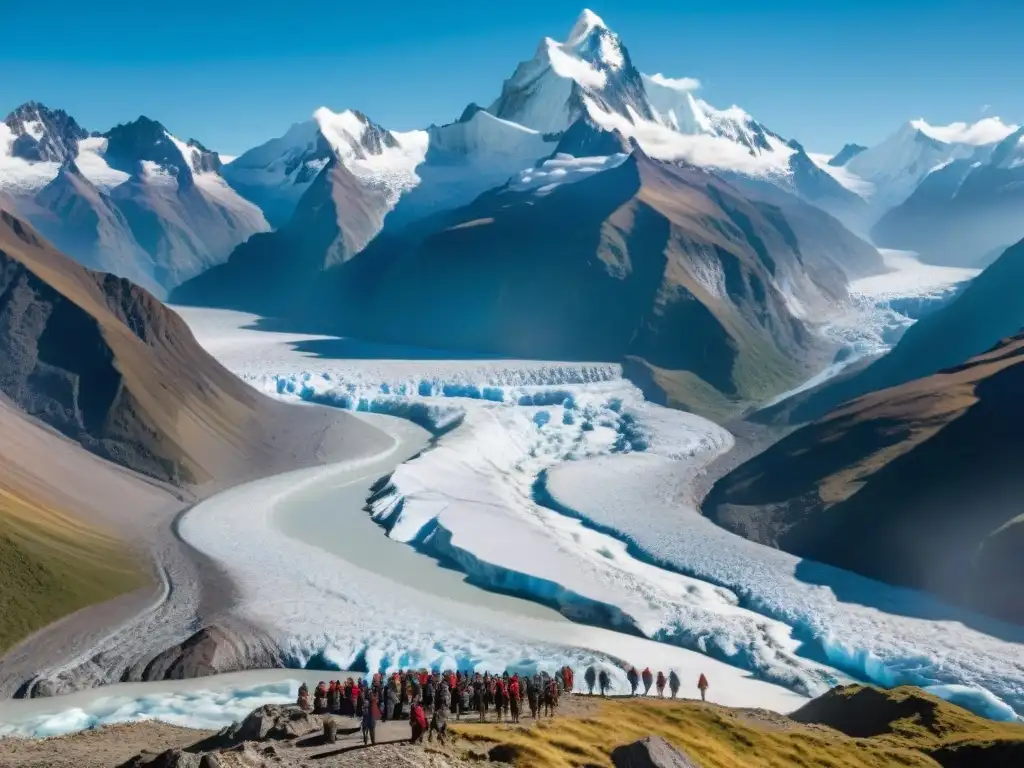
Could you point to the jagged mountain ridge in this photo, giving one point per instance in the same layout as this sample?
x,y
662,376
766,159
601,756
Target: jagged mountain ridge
x,y
589,75
135,201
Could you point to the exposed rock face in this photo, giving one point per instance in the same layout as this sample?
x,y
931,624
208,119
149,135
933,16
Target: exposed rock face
x,y
44,134
917,485
664,263
108,365
652,752
79,218
213,650
585,138
145,140
844,155
336,218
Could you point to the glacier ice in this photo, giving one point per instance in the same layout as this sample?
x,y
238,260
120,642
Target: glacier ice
x,y
616,538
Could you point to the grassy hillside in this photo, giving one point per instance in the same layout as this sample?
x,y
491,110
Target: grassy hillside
x,y
910,728
52,564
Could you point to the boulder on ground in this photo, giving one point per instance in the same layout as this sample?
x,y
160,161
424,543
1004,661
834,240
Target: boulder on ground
x,y
273,721
171,758
651,752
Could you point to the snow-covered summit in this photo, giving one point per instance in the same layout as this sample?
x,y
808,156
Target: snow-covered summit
x,y
895,167
277,173
42,134
551,91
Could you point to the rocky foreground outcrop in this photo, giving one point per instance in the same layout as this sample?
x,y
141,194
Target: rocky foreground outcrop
x,y
288,737
853,726
652,752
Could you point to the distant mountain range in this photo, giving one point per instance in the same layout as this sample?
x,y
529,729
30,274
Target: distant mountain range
x,y
135,201
143,204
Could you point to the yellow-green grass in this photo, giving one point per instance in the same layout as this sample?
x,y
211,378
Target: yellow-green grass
x,y
52,564
720,737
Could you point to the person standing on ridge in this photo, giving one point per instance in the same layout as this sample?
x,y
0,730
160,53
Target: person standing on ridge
x,y
702,686
418,722
371,714
673,682
634,680
604,682
590,678
514,698
661,685
648,679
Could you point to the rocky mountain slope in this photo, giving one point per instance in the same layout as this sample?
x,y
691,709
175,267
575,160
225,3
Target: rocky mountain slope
x,y
112,414
530,269
112,368
136,201
605,259
337,217
881,485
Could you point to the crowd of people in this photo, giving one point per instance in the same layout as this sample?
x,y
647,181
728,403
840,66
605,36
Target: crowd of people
x,y
428,699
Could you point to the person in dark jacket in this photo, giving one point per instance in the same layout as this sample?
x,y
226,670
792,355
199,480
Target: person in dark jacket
x,y
439,720
371,714
533,696
661,685
551,698
634,680
479,699
590,677
673,683
604,682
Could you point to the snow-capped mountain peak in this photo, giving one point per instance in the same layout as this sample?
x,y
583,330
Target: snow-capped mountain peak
x,y
549,92
895,167
40,134
352,134
587,22
145,148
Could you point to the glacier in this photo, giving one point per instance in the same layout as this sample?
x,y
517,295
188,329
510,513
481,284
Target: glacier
x,y
570,485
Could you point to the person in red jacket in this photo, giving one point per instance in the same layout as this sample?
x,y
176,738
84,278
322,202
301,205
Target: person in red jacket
x,y
418,721
702,686
648,679
514,698
567,675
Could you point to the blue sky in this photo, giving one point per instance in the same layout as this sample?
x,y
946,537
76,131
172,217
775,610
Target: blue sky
x,y
234,73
